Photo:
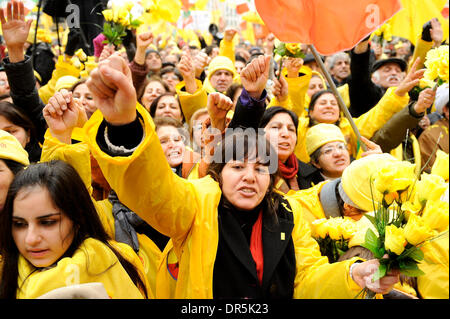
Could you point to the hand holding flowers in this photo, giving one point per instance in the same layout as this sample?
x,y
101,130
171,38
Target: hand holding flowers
x,y
289,50
408,214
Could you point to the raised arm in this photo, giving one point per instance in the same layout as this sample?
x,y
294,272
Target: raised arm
x,y
130,156
251,104
18,67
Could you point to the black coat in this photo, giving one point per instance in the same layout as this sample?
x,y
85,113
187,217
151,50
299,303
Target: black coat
x,y
234,269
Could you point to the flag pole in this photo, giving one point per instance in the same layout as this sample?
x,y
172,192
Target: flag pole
x,y
341,103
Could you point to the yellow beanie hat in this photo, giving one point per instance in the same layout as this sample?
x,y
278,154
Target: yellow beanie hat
x,y
65,82
321,134
356,179
11,149
221,63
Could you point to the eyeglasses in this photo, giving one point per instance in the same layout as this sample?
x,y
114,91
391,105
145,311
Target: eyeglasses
x,y
330,149
3,82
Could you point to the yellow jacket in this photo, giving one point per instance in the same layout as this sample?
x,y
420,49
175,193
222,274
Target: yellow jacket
x,y
310,202
226,48
191,102
78,156
93,261
186,211
435,284
367,124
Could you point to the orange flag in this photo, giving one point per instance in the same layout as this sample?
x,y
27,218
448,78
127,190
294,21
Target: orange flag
x,y
330,25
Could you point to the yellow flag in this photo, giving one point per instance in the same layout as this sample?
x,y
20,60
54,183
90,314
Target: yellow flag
x,y
408,22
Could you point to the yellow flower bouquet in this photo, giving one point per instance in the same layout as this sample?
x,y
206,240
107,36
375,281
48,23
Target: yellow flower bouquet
x,y
120,17
408,213
436,73
333,236
436,62
382,34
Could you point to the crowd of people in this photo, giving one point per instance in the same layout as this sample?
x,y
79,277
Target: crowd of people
x,y
195,170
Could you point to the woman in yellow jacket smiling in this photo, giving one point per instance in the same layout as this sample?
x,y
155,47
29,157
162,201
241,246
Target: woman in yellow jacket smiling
x,y
233,235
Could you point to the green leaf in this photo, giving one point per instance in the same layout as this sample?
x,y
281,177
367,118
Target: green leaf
x,y
415,253
281,49
372,242
410,268
380,273
379,253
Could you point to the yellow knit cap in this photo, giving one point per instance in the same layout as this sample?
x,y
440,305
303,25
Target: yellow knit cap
x,y
321,134
221,63
65,82
11,149
356,178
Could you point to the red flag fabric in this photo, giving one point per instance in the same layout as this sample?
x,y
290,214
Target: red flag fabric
x,y
330,25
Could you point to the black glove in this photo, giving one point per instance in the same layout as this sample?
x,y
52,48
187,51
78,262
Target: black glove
x,y
426,35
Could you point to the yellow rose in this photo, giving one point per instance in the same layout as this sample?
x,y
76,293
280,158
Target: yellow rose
x,y
319,228
128,5
416,231
348,228
122,17
395,240
412,206
393,177
293,47
108,14
426,83
437,62
435,215
441,165
334,229
358,238
430,187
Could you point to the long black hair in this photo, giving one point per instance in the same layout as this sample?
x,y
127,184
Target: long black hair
x,y
68,193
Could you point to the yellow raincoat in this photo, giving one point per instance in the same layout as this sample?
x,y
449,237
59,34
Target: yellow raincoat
x,y
93,261
435,284
78,156
310,202
186,211
191,102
